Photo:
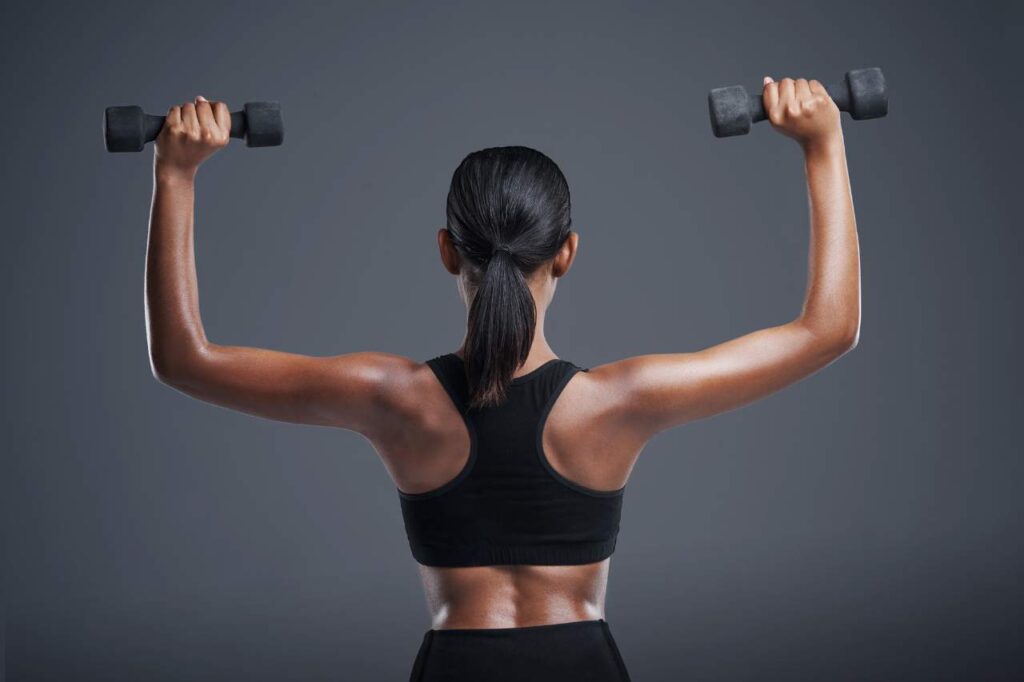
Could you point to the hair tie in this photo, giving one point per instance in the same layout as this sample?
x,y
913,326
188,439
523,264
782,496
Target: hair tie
x,y
501,247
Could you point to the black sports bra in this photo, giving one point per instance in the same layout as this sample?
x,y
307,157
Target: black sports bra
x,y
508,505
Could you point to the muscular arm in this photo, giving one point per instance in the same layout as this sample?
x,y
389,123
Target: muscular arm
x,y
347,391
656,392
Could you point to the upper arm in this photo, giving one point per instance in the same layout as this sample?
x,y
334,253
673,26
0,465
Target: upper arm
x,y
352,391
656,392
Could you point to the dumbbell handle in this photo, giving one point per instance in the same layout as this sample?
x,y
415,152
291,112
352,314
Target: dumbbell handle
x,y
839,92
152,125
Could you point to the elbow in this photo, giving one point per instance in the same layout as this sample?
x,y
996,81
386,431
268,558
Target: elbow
x,y
172,368
843,340
165,370
835,340
849,340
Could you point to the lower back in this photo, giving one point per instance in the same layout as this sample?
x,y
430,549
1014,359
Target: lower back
x,y
514,596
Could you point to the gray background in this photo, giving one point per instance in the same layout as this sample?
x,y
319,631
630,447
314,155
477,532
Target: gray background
x,y
864,524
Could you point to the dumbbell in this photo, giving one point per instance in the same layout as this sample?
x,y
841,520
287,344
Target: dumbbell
x,y
861,92
128,129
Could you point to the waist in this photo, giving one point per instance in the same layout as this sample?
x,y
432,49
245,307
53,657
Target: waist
x,y
514,596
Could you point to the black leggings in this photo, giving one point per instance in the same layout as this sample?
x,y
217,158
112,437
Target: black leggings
x,y
581,650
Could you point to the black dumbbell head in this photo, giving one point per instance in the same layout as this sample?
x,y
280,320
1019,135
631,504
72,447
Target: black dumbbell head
x,y
730,111
263,123
868,98
123,129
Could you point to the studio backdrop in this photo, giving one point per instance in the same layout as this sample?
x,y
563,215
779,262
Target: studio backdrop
x,y
864,524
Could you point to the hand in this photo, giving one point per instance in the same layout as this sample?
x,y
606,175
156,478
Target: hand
x,y
802,110
191,133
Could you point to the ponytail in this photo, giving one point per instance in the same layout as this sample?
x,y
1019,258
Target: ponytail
x,y
502,318
508,212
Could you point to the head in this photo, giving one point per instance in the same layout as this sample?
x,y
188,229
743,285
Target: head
x,y
508,240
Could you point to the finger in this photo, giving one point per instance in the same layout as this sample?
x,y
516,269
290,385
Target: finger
x,y
786,88
770,95
803,89
205,115
222,116
173,116
819,91
189,119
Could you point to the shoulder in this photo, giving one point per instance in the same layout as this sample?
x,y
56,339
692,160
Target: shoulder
x,y
607,382
589,435
607,396
594,393
393,379
364,391
407,391
373,373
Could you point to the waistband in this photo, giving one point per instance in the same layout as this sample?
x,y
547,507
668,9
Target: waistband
x,y
498,632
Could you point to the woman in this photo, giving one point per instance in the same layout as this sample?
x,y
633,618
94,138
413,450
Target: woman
x,y
510,463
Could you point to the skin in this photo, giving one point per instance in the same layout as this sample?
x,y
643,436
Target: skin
x,y
598,426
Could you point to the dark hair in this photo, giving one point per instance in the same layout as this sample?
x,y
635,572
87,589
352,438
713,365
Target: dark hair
x,y
508,212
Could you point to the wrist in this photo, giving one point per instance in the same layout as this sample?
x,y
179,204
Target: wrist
x,y
164,173
824,146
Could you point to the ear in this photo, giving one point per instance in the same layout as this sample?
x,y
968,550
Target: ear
x,y
449,254
566,255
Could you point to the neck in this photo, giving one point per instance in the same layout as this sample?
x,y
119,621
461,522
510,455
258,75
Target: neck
x,y
540,351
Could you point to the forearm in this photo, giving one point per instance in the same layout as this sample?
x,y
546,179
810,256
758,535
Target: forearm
x,y
831,306
174,326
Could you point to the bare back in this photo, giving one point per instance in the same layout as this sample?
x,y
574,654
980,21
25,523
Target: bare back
x,y
578,443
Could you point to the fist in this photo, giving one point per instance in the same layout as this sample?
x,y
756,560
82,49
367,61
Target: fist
x,y
192,133
801,109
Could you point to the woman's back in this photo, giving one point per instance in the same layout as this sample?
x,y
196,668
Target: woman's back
x,y
509,512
